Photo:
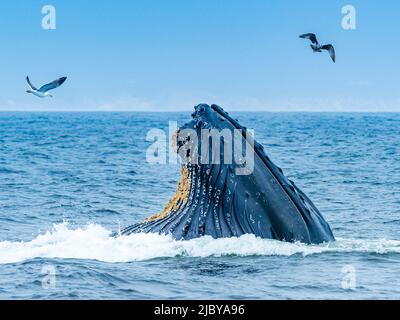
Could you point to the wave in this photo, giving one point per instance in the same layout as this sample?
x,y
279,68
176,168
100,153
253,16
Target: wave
x,y
97,243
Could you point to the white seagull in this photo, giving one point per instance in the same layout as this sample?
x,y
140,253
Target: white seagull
x,y
43,91
317,47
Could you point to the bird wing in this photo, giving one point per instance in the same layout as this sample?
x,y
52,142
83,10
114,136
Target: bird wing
x,y
331,51
52,85
30,83
310,36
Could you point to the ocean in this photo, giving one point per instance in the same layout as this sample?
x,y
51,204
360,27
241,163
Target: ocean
x,y
68,181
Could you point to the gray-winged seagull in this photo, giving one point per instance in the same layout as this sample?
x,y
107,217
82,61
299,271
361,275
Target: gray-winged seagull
x,y
317,47
43,91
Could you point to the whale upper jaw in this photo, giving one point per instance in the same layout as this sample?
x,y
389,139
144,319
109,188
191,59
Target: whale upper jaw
x,y
247,194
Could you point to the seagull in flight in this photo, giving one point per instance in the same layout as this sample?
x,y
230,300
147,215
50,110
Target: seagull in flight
x,y
317,47
43,91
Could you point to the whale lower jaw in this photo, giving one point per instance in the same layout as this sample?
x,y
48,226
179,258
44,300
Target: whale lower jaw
x,y
213,200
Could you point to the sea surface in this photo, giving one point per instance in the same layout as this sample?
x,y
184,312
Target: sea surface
x,y
69,180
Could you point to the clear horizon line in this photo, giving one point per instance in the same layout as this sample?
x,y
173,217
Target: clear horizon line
x,y
190,110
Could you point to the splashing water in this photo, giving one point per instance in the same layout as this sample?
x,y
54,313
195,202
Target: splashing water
x,y
91,168
96,243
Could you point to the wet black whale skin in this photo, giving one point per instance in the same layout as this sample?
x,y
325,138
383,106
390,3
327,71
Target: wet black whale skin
x,y
222,203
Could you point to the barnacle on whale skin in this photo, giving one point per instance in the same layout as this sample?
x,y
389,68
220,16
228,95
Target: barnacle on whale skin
x,y
180,198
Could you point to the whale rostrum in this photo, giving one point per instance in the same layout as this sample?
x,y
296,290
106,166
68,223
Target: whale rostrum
x,y
228,196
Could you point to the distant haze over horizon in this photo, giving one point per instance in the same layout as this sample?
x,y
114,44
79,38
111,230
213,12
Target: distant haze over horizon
x,y
191,110
171,55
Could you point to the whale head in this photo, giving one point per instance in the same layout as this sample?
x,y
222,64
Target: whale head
x,y
211,139
230,187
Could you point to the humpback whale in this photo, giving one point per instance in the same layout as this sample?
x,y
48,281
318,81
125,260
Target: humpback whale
x,y
232,197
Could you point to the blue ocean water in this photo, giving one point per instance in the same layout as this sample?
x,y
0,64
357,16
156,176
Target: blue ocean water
x,y
68,180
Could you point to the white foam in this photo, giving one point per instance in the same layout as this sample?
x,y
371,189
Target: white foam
x,y
95,242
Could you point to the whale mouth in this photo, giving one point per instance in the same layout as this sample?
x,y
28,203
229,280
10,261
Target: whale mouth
x,y
230,187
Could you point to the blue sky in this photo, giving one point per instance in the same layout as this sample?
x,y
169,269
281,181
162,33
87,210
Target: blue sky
x,y
168,55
